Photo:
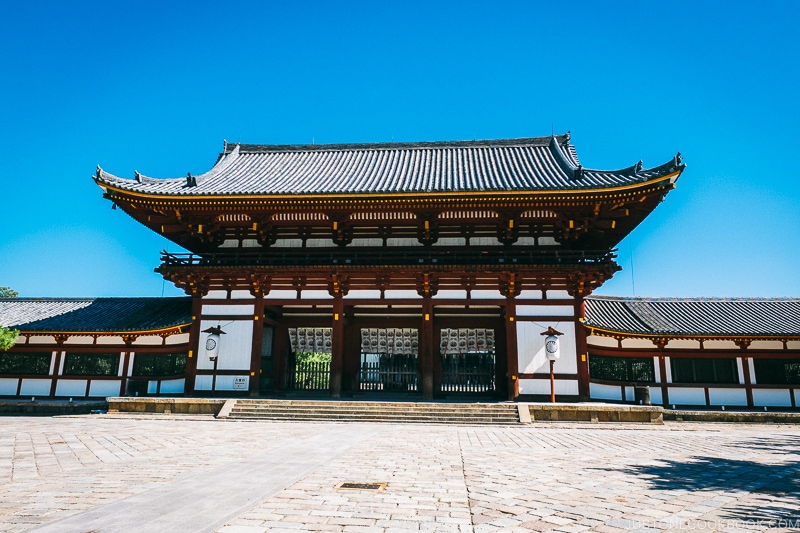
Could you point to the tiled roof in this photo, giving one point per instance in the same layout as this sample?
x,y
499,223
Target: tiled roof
x,y
539,163
721,317
94,314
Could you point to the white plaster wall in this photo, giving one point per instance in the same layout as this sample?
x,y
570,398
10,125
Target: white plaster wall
x,y
121,366
104,387
752,368
288,243
241,294
235,346
216,295
281,295
250,243
655,396
363,294
148,340
772,397
180,338
793,345
79,339
526,241
766,345
451,294
316,295
545,310
637,343
684,343
202,382
229,243
152,387
395,241
687,396
36,387
485,241
71,387
727,396
542,386
366,242
547,241
657,368
668,369
531,353
487,295
720,345
226,382
600,391
41,339
629,394
530,294
320,243
229,310
451,241
558,295
740,370
397,294
8,386
597,340
110,340
172,386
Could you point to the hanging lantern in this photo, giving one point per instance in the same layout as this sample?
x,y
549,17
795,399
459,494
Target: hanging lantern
x,y
551,344
212,342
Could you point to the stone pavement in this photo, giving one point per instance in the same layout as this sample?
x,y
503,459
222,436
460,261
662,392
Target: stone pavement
x,y
155,473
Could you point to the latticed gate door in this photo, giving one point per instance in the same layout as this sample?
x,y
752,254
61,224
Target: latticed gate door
x,y
468,360
389,359
310,366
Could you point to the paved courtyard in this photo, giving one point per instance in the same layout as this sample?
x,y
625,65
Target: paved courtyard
x,y
105,474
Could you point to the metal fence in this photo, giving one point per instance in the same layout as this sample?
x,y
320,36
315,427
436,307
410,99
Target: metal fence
x,y
309,375
389,376
472,372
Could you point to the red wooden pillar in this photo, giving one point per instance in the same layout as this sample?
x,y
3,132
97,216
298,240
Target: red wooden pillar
x,y
662,369
255,356
337,347
426,343
582,349
512,357
194,345
748,379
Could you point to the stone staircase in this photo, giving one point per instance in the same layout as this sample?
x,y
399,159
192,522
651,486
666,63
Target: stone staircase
x,y
372,411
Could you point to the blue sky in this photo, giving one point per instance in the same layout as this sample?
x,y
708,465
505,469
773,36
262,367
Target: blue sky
x,y
157,86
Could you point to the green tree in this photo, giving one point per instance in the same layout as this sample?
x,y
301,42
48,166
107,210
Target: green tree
x,y
7,336
8,292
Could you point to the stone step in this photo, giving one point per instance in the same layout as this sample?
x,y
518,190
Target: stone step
x,y
321,410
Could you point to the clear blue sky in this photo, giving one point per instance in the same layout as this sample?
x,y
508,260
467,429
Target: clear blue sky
x,y
157,86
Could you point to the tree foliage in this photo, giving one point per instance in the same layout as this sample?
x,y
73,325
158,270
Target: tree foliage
x,y
8,292
7,336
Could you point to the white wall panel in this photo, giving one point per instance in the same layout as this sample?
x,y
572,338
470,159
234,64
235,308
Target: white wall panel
x,y
752,368
235,346
36,387
172,386
148,340
720,345
213,295
241,294
104,387
228,310
772,397
542,386
113,339
451,294
281,295
530,294
687,396
316,295
655,396
558,295
79,339
363,295
530,348
740,370
396,294
545,310
727,396
41,339
152,386
657,368
228,382
597,340
486,295
202,382
71,387
180,338
598,391
8,386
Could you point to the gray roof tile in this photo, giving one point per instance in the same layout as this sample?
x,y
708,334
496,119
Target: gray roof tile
x,y
94,314
539,163
722,317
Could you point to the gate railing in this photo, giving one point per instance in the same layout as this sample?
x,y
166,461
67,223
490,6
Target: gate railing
x,y
376,376
309,375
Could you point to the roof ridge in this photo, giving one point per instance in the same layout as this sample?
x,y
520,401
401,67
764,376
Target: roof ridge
x,y
519,141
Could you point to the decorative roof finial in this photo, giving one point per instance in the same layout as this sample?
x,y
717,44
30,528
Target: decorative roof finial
x,y
678,160
567,136
191,181
99,170
138,176
638,167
